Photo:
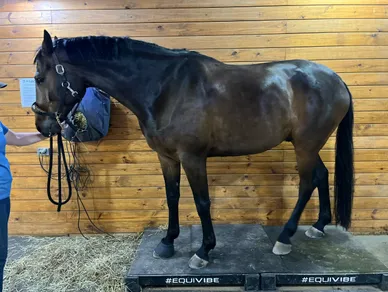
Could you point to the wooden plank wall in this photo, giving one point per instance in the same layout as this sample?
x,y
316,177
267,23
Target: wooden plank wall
x,y
350,36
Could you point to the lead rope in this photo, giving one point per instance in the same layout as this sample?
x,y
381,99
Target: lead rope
x,y
61,156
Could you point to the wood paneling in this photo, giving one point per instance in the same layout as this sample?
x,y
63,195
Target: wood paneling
x,y
212,168
214,180
24,5
27,5
218,215
219,14
237,41
95,158
216,192
263,205
126,192
198,28
34,17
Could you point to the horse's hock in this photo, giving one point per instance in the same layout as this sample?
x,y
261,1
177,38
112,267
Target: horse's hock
x,y
128,193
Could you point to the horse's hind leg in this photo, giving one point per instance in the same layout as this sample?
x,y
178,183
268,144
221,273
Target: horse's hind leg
x,y
321,180
171,174
195,169
307,161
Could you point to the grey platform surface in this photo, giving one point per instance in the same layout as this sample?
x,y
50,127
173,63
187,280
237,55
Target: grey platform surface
x,y
338,251
247,249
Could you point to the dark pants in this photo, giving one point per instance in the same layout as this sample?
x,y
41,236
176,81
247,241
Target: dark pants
x,y
5,206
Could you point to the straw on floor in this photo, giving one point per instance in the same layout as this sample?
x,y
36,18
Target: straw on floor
x,y
71,264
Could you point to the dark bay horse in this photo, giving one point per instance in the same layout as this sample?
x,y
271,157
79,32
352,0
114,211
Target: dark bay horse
x,y
191,107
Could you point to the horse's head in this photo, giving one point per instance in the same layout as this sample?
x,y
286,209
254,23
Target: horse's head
x,y
58,87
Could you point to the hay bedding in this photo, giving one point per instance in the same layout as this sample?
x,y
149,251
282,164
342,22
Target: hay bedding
x,y
68,264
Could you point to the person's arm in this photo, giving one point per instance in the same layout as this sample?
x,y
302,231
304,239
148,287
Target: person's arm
x,y
23,139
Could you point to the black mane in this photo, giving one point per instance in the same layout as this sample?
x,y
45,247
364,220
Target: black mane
x,y
113,48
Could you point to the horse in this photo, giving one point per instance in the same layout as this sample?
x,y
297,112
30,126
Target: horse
x,y
191,106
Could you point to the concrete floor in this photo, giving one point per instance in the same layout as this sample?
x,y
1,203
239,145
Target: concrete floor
x,y
377,245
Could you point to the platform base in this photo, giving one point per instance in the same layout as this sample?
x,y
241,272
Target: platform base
x,y
243,258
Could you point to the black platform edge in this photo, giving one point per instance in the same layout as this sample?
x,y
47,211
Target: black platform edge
x,y
257,282
384,282
337,279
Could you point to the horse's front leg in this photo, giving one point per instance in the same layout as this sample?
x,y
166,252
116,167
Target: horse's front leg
x,y
195,169
171,174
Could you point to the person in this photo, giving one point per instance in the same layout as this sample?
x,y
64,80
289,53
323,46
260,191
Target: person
x,y
8,137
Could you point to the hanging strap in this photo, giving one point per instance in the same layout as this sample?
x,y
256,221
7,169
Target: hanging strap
x,y
61,156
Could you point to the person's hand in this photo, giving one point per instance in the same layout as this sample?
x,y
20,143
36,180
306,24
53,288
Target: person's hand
x,y
41,137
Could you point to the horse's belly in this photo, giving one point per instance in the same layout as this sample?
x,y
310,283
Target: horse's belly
x,y
236,152
250,143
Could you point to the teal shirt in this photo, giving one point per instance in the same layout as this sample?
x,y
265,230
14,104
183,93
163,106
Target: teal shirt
x,y
5,171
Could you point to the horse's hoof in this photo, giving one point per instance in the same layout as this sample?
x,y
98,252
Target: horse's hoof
x,y
163,251
281,248
313,232
197,263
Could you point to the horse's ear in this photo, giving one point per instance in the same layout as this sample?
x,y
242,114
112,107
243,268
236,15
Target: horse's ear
x,y
47,45
55,38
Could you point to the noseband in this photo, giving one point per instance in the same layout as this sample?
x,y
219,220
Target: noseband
x,y
58,113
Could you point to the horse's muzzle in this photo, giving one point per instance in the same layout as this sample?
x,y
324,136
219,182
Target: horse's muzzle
x,y
48,127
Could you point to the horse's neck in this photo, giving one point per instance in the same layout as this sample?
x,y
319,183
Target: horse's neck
x,y
135,85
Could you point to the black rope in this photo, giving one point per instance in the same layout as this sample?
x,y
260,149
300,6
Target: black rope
x,y
61,156
50,173
76,182
59,174
73,175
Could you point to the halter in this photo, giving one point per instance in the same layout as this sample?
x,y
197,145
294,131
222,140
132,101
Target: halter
x,y
61,152
58,113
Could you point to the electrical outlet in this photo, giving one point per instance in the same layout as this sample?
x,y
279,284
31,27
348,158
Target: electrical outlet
x,y
43,151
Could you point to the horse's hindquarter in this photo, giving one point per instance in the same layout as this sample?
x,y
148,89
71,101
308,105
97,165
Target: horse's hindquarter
x,y
254,108
320,100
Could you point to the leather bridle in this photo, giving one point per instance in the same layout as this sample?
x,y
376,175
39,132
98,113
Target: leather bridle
x,y
57,116
60,70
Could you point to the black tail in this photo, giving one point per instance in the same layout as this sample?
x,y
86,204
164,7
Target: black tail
x,y
344,169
